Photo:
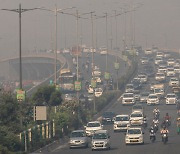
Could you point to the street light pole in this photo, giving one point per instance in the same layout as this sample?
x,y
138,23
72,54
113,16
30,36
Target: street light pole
x,y
55,11
20,11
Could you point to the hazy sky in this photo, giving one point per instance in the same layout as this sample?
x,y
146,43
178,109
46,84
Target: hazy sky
x,y
157,23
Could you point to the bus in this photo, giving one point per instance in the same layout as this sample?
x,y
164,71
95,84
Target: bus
x,y
67,79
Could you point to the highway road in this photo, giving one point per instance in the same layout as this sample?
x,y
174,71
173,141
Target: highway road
x,y
117,139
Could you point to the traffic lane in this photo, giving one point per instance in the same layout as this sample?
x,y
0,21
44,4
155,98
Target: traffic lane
x,y
118,139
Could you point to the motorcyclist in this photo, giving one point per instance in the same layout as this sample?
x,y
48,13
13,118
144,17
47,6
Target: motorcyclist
x,y
152,133
167,117
156,121
164,131
156,111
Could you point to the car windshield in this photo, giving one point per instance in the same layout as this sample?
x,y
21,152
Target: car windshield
x,y
122,118
171,96
154,96
108,114
145,94
137,107
78,134
134,131
93,124
136,115
100,136
128,95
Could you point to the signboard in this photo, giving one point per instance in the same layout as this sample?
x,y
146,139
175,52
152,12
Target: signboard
x,y
116,66
20,95
77,85
40,113
107,76
93,83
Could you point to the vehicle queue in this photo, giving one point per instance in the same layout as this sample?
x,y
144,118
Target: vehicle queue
x,y
140,93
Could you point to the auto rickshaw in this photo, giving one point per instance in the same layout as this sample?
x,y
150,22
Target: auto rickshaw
x,y
178,125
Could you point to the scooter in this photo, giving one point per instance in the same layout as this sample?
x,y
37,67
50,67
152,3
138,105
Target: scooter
x,y
152,135
164,138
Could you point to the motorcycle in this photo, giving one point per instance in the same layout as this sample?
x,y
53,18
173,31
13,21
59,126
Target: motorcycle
x,y
144,123
155,127
152,135
164,138
167,122
156,115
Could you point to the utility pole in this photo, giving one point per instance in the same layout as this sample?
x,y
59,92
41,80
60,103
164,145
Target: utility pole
x,y
20,11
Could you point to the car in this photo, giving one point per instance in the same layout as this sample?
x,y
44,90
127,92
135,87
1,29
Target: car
x,y
162,69
137,107
174,82
98,92
121,122
158,60
170,72
148,52
134,136
92,127
170,62
129,88
136,83
160,77
136,118
144,97
78,138
143,78
152,99
136,95
177,69
108,117
100,140
176,90
144,61
159,54
128,99
171,98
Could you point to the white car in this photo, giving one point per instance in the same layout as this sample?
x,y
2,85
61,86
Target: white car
x,y
134,136
171,62
136,118
121,122
170,72
143,78
177,69
152,99
174,82
128,99
92,127
100,140
96,73
160,77
158,60
129,88
162,69
98,92
171,99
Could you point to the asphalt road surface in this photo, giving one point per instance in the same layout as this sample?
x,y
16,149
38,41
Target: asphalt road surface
x,y
118,145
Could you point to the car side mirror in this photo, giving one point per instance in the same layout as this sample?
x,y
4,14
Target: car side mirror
x,y
142,132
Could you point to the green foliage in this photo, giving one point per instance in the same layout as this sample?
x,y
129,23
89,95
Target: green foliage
x,y
8,140
102,101
47,95
9,111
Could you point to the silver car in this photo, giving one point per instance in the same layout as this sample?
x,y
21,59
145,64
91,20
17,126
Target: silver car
x,y
78,138
100,140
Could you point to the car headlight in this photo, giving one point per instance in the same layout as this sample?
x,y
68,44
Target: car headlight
x,y
71,141
82,141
